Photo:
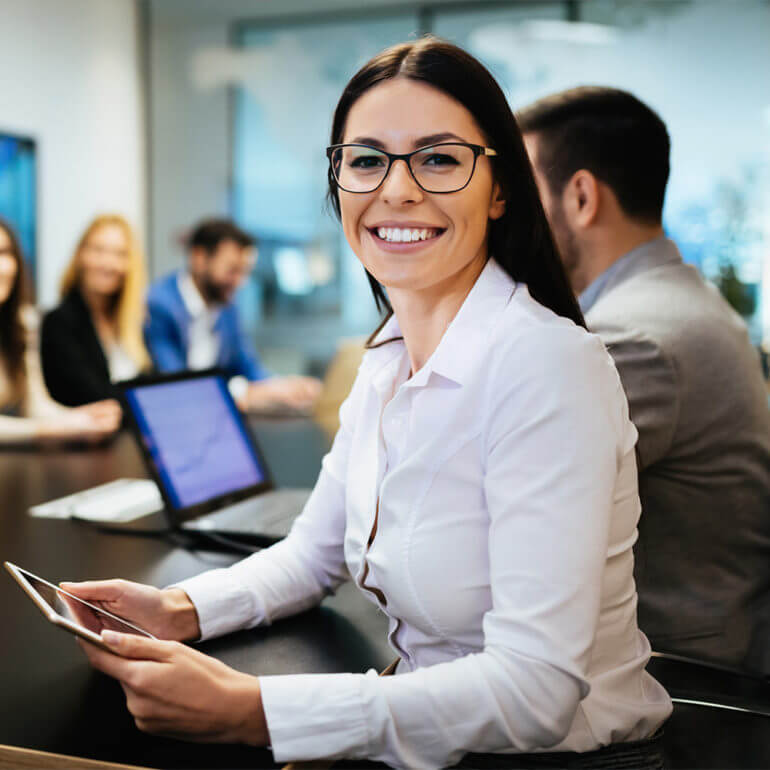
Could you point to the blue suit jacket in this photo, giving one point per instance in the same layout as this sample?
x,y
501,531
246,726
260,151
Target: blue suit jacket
x,y
166,334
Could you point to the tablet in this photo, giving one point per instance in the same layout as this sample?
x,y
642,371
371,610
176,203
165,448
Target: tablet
x,y
68,612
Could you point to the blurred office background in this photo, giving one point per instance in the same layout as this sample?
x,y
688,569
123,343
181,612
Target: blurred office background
x,y
172,110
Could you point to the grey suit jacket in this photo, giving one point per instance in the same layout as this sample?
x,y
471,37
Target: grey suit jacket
x,y
697,398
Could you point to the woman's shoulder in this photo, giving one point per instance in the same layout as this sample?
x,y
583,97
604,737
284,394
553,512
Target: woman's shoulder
x,y
526,322
69,312
543,358
532,343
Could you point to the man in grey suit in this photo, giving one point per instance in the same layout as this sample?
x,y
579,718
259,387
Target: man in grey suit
x,y
693,380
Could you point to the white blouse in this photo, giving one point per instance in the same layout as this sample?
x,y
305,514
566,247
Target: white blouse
x,y
502,479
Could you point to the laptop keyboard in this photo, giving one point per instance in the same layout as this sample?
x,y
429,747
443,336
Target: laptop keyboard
x,y
270,514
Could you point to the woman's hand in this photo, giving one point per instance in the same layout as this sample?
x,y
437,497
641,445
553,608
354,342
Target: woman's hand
x,y
91,423
179,692
167,613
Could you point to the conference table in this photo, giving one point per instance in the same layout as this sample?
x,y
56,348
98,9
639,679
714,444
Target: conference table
x,y
51,700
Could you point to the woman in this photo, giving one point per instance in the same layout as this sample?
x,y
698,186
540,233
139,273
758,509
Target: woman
x,y
94,337
27,413
481,489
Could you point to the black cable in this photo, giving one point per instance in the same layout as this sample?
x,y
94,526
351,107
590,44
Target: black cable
x,y
115,529
236,545
182,539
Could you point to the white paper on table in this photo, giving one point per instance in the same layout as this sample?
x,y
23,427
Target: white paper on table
x,y
120,500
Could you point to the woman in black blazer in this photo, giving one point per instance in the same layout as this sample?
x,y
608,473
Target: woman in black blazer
x,y
94,337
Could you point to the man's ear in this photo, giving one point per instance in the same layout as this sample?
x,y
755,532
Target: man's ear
x,y
197,259
581,199
497,204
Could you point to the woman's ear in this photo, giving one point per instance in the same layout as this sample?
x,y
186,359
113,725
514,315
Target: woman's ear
x,y
497,204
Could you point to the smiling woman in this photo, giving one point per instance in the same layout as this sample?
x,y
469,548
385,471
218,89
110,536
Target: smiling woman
x,y
94,337
481,490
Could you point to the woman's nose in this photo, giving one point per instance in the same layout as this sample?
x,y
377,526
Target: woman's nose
x,y
400,186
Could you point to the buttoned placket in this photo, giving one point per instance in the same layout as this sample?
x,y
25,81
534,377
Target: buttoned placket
x,y
392,422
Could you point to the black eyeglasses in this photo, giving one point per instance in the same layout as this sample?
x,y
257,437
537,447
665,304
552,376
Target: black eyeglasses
x,y
440,168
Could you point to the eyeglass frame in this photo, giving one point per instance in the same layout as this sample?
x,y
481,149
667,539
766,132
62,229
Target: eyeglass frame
x,y
478,149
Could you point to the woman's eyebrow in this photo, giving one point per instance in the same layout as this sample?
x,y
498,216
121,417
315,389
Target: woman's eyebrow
x,y
367,140
423,141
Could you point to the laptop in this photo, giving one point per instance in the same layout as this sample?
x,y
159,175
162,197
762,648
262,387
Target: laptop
x,y
210,472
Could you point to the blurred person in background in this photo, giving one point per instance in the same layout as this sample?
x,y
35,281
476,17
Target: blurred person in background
x,y
27,413
193,321
693,379
94,337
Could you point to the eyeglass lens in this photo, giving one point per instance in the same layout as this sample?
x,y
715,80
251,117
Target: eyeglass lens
x,y
444,168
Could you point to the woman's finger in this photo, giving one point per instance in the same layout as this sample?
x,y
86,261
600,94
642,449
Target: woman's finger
x,y
95,590
106,662
139,647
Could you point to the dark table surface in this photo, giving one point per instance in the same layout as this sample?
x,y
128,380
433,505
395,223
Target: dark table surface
x,y
49,697
52,701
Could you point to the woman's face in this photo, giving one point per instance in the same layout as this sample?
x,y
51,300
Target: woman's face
x,y
104,261
401,115
9,270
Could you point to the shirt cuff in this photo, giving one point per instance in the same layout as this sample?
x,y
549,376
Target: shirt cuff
x,y
315,716
238,386
223,603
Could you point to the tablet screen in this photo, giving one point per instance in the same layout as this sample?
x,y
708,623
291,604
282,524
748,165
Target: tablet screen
x,y
69,607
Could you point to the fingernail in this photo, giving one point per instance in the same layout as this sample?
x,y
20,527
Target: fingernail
x,y
110,637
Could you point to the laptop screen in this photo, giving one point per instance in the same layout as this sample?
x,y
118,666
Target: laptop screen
x,y
196,438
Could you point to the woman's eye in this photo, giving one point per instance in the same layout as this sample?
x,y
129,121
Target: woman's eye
x,y
440,159
366,161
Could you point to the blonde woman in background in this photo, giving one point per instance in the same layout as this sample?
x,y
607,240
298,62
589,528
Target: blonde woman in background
x,y
27,413
94,337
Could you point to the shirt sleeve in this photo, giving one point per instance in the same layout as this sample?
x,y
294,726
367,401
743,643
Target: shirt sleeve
x,y
291,575
555,436
247,364
650,381
16,430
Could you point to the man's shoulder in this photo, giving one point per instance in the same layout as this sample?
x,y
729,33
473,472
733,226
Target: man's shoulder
x,y
671,315
666,302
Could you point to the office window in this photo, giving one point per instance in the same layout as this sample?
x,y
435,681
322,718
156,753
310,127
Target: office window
x,y
18,194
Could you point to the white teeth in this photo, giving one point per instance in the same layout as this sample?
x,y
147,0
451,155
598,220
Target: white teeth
x,y
405,235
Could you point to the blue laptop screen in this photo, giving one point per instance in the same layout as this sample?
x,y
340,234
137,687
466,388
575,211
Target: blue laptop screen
x,y
196,439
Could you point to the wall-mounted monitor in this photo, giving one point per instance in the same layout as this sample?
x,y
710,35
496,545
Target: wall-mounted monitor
x,y
18,192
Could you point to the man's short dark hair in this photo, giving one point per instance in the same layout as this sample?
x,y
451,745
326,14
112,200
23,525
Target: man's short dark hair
x,y
608,132
210,233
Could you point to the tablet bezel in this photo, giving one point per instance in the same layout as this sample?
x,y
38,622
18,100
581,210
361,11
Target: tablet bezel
x,y
18,574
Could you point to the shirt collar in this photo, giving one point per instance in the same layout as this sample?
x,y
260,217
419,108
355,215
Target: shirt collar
x,y
464,340
193,301
654,253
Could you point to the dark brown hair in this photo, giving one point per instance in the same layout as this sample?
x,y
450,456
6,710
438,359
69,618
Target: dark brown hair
x,y
520,241
13,342
210,233
608,132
